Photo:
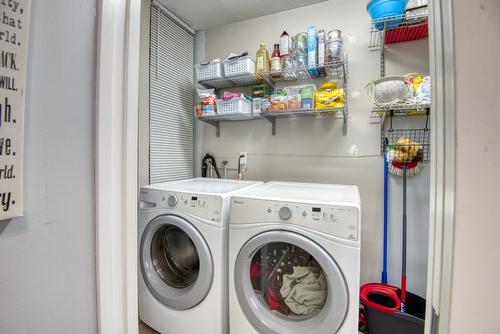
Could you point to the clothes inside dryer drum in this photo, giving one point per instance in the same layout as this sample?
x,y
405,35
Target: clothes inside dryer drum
x,y
281,267
305,290
175,257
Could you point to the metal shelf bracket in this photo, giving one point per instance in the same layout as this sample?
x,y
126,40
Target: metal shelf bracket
x,y
216,125
272,120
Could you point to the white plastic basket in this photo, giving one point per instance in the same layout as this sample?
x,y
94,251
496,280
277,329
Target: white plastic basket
x,y
212,71
237,105
240,66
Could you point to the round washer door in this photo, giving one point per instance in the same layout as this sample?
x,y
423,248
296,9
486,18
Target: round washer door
x,y
175,261
287,283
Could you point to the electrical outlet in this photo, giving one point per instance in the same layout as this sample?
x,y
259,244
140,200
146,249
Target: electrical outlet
x,y
244,157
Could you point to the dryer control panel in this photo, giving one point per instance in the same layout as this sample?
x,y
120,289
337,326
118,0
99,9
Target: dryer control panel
x,y
339,221
202,206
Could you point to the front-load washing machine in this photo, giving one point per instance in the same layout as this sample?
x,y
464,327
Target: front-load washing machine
x,y
294,259
183,255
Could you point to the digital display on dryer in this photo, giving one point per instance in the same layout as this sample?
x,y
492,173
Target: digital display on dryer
x,y
316,209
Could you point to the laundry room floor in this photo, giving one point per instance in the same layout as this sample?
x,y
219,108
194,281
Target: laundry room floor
x,y
144,329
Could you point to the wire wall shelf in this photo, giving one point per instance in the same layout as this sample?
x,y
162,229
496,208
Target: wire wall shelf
x,y
229,117
271,116
411,26
339,113
236,81
400,110
296,113
335,70
216,119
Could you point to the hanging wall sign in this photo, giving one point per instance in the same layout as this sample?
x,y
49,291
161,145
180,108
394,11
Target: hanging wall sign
x,y
14,28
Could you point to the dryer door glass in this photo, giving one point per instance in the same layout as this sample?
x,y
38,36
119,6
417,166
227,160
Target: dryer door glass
x,y
288,281
176,262
175,257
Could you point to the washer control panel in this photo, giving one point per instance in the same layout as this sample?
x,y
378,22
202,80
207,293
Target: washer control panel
x,y
340,221
202,206
285,213
172,201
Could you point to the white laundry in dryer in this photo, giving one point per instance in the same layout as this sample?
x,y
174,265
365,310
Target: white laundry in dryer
x,y
294,259
183,247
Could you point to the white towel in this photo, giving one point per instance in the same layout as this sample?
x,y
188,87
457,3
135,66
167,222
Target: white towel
x,y
305,290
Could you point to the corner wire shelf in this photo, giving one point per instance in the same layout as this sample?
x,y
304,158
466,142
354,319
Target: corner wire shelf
x,y
400,110
411,26
335,70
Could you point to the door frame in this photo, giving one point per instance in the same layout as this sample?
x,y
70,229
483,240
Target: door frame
x,y
442,180
116,136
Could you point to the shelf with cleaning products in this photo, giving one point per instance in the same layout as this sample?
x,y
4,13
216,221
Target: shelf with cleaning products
x,y
332,70
284,85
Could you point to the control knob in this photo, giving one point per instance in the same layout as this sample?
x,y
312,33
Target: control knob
x,y
172,201
285,213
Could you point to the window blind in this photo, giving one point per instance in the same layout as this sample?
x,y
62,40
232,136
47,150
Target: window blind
x,y
171,99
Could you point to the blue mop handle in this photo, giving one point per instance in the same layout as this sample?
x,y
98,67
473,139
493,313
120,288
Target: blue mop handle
x,y
386,219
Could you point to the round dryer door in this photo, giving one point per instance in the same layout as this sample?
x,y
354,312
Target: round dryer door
x,y
176,263
287,283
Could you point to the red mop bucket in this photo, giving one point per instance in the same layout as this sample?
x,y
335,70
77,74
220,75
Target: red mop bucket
x,y
383,310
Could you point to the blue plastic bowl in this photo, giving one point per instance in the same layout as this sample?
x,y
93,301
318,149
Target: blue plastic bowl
x,y
381,9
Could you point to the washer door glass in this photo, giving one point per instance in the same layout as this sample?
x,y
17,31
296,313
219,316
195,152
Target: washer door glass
x,y
175,257
287,283
176,263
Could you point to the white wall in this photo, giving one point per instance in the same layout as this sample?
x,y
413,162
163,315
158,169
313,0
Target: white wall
x,y
314,149
47,276
476,265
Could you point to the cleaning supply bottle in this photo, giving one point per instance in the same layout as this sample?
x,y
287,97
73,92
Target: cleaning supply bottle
x,y
263,63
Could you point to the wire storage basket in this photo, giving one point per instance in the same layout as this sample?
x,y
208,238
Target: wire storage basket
x,y
238,105
212,75
421,138
210,71
239,66
241,71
